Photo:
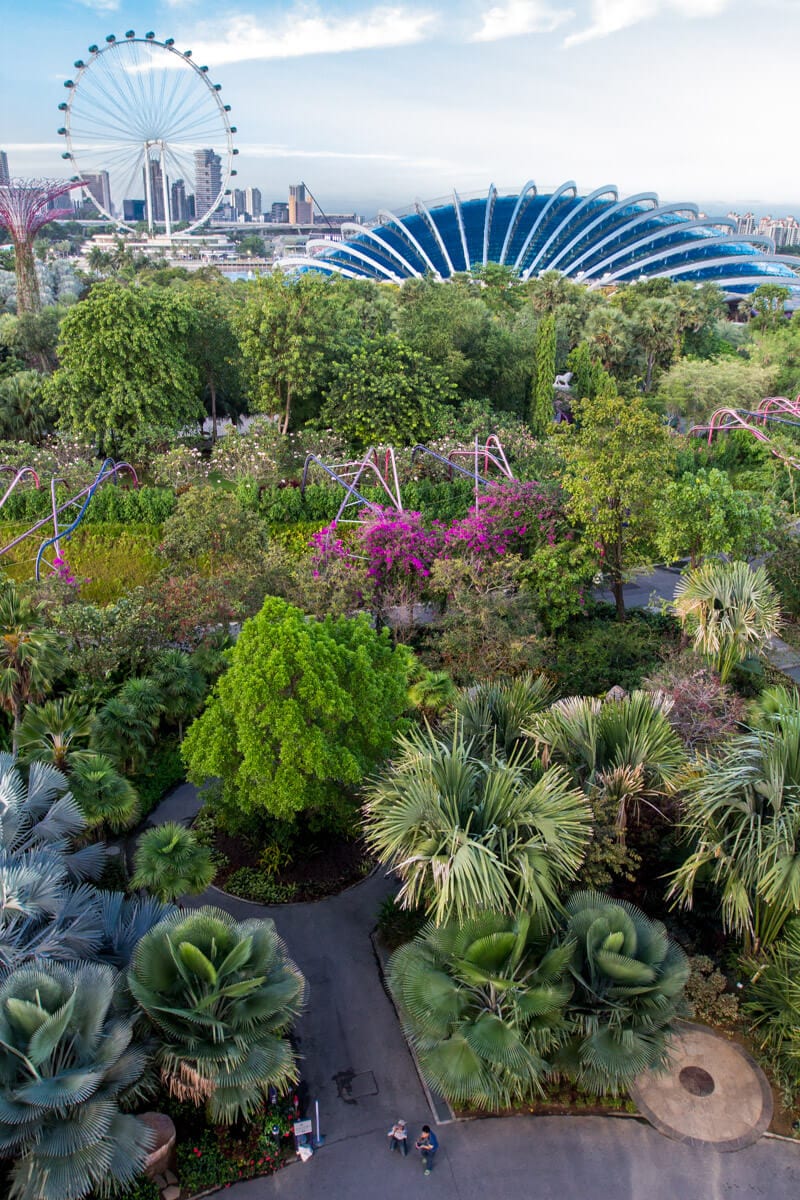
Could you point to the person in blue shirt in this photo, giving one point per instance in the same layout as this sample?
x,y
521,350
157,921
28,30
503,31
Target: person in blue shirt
x,y
427,1144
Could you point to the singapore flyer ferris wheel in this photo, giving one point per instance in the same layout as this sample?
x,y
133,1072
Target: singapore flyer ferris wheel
x,y
148,133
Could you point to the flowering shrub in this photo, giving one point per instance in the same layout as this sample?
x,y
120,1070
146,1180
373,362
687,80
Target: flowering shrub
x,y
61,569
218,1157
180,467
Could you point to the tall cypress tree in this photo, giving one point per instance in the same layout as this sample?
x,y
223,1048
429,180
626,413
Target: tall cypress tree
x,y
544,352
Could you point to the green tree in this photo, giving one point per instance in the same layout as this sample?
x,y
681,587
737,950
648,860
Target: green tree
x,y
215,350
629,979
68,1063
386,392
126,362
306,709
587,372
693,388
704,514
209,526
617,467
466,834
253,245
30,656
769,303
541,418
732,609
170,862
772,1007
741,816
124,727
181,685
107,800
482,1002
222,995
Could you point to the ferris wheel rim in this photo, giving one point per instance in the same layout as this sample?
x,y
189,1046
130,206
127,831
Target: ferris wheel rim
x,y
185,58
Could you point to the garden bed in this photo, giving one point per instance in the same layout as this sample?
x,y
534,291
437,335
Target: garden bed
x,y
267,875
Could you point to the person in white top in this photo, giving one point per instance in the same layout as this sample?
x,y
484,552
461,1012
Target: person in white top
x,y
398,1137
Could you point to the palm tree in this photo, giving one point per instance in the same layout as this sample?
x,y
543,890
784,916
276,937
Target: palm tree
x,y
170,862
625,749
125,726
221,995
773,706
55,732
181,686
30,656
494,716
773,1008
482,1002
465,834
741,813
629,979
432,692
733,609
107,799
67,1064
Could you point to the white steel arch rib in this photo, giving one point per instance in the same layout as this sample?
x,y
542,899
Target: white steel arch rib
x,y
519,207
671,252
319,264
608,190
663,231
611,211
735,281
728,260
569,186
388,218
625,228
386,250
461,230
423,212
487,221
352,251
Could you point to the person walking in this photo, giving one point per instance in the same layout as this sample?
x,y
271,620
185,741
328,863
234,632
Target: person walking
x,y
427,1144
398,1137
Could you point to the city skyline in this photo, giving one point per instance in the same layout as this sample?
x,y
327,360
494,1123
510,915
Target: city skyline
x,y
378,105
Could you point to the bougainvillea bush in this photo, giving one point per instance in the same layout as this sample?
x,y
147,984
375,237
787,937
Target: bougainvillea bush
x,y
395,552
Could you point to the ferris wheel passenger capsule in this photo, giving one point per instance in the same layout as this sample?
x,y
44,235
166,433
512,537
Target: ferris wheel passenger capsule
x,y
129,33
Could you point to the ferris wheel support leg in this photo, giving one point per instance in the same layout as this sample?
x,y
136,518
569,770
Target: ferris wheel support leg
x,y
148,189
165,188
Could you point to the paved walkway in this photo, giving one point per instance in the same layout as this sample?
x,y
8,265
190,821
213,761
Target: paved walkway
x,y
712,1095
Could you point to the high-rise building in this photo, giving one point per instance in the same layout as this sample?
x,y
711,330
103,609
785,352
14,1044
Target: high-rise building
x,y
279,213
301,207
252,203
238,202
207,180
5,177
179,201
99,188
156,188
133,210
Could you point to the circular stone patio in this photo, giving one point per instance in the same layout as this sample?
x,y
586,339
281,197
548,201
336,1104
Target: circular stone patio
x,y
712,1093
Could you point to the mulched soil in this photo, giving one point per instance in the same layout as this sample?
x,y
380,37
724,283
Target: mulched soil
x,y
324,871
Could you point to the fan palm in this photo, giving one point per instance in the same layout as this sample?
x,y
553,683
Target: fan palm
x,y
625,749
466,835
629,979
494,716
482,1002
773,1008
733,608
30,656
66,1063
170,862
107,799
181,686
432,692
773,706
742,816
55,732
221,995
125,726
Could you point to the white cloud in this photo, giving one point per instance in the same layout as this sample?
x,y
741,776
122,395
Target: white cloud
x,y
101,6
610,16
518,17
276,150
307,31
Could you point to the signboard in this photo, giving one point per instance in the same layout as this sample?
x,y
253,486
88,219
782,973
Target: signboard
x,y
301,1127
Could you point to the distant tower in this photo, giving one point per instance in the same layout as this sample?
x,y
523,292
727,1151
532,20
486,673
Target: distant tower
x,y
252,203
301,207
179,201
5,178
207,180
156,192
238,202
99,187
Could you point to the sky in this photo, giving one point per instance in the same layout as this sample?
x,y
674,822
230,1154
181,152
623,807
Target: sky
x,y
374,105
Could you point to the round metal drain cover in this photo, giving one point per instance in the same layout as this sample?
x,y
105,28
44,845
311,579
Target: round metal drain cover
x,y
696,1081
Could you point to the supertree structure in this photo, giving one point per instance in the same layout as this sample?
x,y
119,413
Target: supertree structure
x,y
25,207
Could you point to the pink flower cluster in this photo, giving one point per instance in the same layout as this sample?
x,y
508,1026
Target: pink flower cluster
x,y
63,571
400,549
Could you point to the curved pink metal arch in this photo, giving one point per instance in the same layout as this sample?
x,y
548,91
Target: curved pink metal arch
x,y
725,419
19,472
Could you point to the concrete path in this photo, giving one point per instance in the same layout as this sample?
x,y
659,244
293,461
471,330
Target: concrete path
x,y
182,804
544,1158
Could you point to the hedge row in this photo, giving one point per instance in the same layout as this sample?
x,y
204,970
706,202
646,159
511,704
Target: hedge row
x,y
144,505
